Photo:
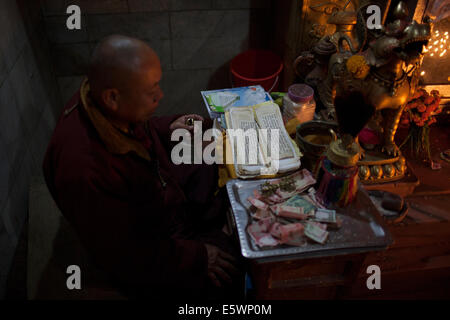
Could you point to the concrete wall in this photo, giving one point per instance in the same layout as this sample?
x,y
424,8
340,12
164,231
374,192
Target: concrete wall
x,y
29,99
195,39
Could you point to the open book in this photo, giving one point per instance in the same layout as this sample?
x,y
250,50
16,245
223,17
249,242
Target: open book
x,y
259,142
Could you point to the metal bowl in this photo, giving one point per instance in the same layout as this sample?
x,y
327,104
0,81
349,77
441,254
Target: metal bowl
x,y
313,151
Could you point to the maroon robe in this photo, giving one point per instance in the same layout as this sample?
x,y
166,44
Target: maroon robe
x,y
141,220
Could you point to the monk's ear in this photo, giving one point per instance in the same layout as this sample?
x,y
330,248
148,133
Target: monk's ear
x,y
110,99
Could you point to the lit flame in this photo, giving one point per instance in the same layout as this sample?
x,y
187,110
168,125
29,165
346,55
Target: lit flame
x,y
439,42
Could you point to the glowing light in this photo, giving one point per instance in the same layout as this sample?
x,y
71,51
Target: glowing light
x,y
437,45
422,73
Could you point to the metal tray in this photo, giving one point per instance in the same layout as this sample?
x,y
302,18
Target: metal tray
x,y
362,229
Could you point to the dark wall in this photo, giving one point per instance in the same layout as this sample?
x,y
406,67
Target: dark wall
x,y
195,40
29,99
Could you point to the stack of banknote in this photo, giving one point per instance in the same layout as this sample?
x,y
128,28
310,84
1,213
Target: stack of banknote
x,y
285,212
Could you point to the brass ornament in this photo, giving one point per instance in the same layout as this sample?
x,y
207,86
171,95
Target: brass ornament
x,y
364,172
382,67
376,172
388,170
392,169
401,11
400,165
387,86
342,154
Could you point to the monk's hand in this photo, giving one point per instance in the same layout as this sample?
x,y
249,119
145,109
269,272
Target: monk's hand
x,y
185,122
220,265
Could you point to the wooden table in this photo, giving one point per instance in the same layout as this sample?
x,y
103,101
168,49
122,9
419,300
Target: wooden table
x,y
416,265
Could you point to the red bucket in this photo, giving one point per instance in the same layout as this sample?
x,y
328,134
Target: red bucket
x,y
254,67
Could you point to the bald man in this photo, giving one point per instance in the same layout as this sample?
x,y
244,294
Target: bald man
x,y
149,225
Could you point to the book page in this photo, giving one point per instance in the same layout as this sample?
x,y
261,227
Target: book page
x,y
268,116
245,145
251,171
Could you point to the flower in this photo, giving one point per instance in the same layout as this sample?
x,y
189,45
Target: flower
x,y
357,66
421,108
428,100
417,94
412,105
431,121
419,114
434,92
432,107
405,121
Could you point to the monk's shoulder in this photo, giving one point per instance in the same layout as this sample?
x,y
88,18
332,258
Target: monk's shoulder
x,y
75,146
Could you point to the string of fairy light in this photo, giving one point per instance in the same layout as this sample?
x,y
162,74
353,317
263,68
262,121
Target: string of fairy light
x,y
437,46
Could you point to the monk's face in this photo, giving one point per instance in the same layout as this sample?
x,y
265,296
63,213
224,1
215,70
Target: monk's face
x,y
142,95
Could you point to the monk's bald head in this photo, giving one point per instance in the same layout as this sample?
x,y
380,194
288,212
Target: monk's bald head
x,y
116,60
123,74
